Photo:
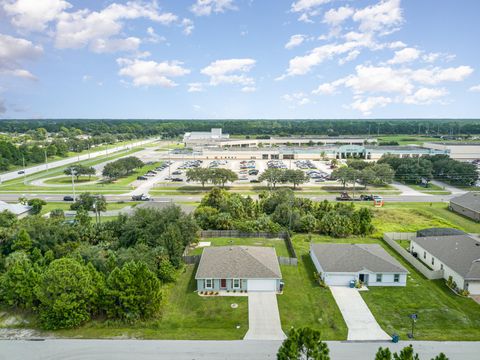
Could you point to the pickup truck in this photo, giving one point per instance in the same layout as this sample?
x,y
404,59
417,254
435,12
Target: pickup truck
x,y
141,197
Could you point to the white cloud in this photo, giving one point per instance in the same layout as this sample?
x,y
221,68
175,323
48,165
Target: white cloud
x,y
14,51
325,89
307,5
437,75
207,7
187,26
153,37
249,89
301,65
195,87
34,15
295,40
397,45
230,71
298,98
305,18
425,96
151,73
475,88
352,55
379,79
383,17
365,106
335,17
405,55
114,45
84,27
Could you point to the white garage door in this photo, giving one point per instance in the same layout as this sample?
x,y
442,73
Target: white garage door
x,y
339,280
474,287
261,285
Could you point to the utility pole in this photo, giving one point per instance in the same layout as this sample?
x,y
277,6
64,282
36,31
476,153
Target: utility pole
x,y
24,170
72,172
46,160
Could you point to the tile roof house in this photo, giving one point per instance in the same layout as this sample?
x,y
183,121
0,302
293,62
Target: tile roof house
x,y
251,268
339,264
457,255
467,205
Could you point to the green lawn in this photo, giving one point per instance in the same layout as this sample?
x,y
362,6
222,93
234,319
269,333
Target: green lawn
x,y
278,244
431,189
66,206
184,316
67,180
18,186
305,303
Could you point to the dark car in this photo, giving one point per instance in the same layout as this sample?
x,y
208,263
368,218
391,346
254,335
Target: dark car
x,y
68,198
177,179
254,181
21,172
141,178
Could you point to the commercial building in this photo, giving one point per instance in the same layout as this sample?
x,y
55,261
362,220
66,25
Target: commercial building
x,y
204,138
464,151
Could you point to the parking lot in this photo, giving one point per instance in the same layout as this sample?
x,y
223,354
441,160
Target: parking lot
x,y
248,171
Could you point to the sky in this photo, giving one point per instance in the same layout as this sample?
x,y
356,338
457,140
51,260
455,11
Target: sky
x,y
235,59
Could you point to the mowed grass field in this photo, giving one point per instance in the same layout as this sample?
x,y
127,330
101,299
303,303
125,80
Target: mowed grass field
x,y
278,244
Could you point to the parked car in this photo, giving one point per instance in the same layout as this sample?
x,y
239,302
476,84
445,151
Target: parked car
x,y
141,178
177,179
68,198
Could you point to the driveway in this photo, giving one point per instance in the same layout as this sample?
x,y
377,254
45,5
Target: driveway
x,y
407,190
263,317
360,321
452,189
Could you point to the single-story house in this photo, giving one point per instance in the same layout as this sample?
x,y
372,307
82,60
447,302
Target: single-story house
x,y
339,264
19,210
467,205
250,268
457,255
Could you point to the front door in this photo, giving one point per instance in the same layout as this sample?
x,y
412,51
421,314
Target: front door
x,y
223,283
363,278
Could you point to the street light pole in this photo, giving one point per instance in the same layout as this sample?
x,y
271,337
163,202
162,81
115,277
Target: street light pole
x,y
46,160
73,183
24,172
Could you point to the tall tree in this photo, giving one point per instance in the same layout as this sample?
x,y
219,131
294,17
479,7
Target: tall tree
x,y
303,344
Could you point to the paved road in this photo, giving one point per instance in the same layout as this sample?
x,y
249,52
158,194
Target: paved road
x,y
191,198
211,350
360,321
34,169
454,190
263,317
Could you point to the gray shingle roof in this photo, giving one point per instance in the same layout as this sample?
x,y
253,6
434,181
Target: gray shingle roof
x,y
239,262
470,200
461,253
17,209
355,257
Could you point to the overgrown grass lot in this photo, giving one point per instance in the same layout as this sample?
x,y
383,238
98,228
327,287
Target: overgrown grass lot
x,y
184,315
278,244
442,314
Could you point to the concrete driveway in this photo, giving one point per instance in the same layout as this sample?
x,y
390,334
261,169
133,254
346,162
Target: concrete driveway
x,y
263,317
360,321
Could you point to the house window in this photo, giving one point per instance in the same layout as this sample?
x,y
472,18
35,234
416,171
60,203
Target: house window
x,y
424,254
433,260
208,283
396,278
379,277
441,266
236,283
